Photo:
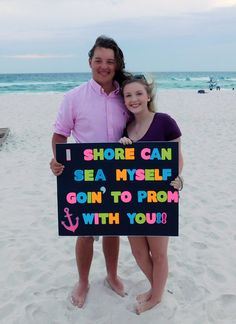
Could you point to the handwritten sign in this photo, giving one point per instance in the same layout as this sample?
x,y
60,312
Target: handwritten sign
x,y
112,189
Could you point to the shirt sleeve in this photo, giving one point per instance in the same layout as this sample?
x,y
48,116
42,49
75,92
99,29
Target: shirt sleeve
x,y
64,123
172,128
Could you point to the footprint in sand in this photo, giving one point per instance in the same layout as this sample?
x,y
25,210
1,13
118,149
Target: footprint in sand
x,y
5,310
35,314
199,245
58,292
188,291
218,277
222,310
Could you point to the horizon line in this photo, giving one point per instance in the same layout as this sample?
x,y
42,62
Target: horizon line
x,y
89,72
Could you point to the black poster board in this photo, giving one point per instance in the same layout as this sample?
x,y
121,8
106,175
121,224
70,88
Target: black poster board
x,y
110,189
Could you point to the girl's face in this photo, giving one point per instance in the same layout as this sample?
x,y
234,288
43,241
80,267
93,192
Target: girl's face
x,y
136,97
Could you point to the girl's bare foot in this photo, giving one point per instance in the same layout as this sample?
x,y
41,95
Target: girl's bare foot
x,y
79,294
140,308
142,298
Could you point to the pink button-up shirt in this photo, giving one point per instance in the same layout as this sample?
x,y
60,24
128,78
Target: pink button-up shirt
x,y
90,115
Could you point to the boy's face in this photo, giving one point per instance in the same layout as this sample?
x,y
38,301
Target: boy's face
x,y
103,65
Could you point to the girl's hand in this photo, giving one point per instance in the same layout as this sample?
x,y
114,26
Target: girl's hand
x,y
125,141
177,183
56,167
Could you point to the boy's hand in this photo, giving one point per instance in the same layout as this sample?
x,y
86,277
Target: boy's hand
x,y
56,167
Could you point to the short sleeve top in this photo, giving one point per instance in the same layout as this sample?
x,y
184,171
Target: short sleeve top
x,y
163,128
91,115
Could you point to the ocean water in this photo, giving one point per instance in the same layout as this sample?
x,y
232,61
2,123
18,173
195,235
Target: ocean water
x,y
62,82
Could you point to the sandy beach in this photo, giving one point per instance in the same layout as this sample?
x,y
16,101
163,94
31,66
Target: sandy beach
x,y
38,268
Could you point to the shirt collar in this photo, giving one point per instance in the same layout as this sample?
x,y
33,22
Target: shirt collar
x,y
100,90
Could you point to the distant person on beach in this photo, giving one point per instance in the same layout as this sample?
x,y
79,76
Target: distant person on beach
x,y
212,83
95,112
150,252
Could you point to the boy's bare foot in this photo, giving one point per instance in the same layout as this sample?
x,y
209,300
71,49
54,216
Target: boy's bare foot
x,y
79,294
116,285
142,298
140,308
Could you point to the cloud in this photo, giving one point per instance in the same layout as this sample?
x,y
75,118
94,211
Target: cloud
x,y
31,16
37,56
224,3
152,33
32,20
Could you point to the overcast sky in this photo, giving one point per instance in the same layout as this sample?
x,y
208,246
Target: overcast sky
x,y
155,35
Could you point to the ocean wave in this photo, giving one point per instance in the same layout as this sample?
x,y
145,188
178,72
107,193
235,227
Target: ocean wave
x,y
200,79
62,82
181,79
37,83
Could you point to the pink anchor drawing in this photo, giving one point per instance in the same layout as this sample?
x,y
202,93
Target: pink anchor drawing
x,y
72,227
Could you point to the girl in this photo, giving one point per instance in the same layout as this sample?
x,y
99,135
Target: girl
x,y
150,252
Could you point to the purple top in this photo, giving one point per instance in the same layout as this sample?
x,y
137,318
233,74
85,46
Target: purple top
x,y
162,128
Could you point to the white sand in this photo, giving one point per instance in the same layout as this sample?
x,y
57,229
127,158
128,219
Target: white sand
x,y
37,268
